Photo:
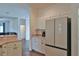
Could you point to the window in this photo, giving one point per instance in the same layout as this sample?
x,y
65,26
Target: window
x,y
1,28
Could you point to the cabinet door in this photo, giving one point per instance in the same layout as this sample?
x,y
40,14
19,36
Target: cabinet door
x,y
34,43
39,22
61,32
50,51
39,44
50,32
0,50
17,48
10,50
43,45
4,50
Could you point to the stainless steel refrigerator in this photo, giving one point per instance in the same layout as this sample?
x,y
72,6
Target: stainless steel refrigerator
x,y
58,37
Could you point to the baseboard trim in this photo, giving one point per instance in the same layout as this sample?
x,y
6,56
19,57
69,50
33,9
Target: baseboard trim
x,y
38,52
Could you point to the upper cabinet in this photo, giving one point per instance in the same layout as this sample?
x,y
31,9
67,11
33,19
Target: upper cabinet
x,y
41,24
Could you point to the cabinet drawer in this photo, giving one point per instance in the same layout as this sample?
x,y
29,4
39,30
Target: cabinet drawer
x,y
50,51
10,45
3,39
11,38
18,44
14,49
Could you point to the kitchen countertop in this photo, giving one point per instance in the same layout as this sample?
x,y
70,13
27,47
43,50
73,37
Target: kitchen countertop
x,y
1,43
8,33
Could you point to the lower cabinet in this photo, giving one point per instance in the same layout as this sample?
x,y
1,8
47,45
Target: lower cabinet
x,y
4,50
50,51
12,49
38,44
17,49
0,51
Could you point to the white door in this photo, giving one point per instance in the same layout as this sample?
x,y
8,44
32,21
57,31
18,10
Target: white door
x,y
61,32
50,32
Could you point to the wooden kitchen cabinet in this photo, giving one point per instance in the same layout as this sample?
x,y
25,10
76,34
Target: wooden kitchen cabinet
x,y
0,50
4,50
7,38
17,49
11,38
12,49
10,46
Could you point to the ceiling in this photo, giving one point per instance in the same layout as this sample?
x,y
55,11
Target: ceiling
x,y
46,5
13,10
22,9
38,7
41,5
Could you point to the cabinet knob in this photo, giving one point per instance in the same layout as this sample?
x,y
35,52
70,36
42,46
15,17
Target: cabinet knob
x,y
41,43
14,44
4,46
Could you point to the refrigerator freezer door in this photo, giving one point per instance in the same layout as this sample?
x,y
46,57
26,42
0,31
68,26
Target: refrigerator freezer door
x,y
61,32
50,51
50,32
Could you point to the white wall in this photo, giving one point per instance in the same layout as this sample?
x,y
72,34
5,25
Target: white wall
x,y
33,25
78,30
78,34
10,24
13,25
17,11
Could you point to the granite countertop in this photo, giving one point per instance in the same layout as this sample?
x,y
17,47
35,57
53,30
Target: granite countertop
x,y
8,33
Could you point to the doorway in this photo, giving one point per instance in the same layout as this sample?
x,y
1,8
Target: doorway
x,y
25,34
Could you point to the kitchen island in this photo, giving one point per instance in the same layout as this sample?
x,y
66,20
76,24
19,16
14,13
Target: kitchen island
x,y
10,45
